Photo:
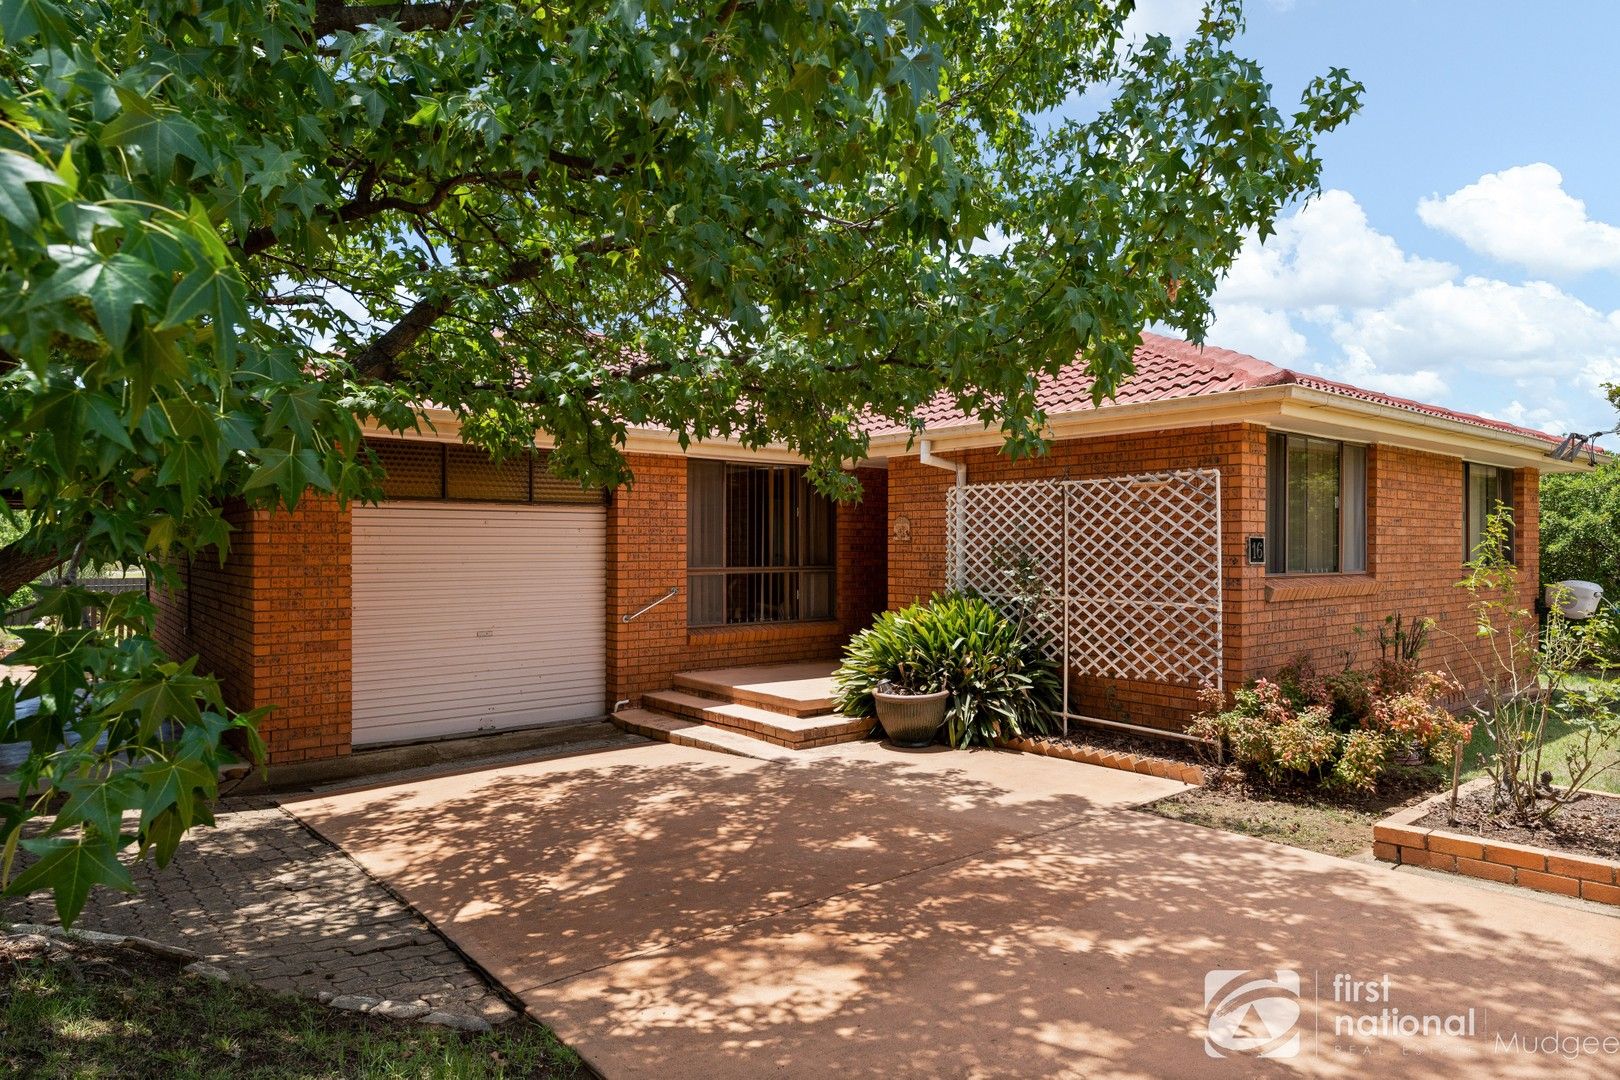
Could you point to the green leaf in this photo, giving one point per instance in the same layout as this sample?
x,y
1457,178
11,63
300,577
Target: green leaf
x,y
187,467
208,290
919,70
162,837
17,171
98,803
160,133
162,696
174,783
122,284
101,415
289,473
22,19
70,868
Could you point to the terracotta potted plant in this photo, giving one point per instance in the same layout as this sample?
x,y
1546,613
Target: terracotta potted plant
x,y
911,712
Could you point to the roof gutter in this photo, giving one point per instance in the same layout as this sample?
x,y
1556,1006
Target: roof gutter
x,y
1268,405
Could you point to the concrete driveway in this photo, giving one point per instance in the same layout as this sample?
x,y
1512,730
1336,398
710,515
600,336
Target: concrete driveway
x,y
868,911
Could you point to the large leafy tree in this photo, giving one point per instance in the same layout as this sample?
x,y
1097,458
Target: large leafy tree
x,y
231,232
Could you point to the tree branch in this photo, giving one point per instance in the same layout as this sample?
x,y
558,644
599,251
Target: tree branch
x,y
19,566
380,359
262,238
332,16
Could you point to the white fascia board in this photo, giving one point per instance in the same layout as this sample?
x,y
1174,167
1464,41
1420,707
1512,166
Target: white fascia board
x,y
1287,407
441,425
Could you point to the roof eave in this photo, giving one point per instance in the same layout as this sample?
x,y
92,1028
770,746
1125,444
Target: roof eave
x,y
442,425
1287,406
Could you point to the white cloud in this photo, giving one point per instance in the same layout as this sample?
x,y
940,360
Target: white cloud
x,y
1175,19
1485,339
1420,384
1326,255
993,242
1542,419
1329,293
1258,331
1523,215
1488,325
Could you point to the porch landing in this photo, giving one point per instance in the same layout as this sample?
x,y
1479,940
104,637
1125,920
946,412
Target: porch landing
x,y
766,711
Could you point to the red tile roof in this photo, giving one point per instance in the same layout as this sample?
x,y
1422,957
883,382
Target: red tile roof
x,y
1168,368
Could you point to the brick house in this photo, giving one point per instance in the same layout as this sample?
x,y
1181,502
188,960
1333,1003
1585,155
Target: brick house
x,y
480,597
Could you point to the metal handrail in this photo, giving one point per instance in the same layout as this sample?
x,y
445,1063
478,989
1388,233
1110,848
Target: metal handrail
x,y
638,613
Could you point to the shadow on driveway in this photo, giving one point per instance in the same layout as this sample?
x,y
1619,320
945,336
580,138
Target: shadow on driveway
x,y
673,913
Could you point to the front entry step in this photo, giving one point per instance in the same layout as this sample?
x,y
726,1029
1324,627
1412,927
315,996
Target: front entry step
x,y
664,728
793,732
747,710
789,689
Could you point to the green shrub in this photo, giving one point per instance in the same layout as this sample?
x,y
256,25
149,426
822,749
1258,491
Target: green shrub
x,y
1528,670
1267,732
1001,684
1362,759
1606,636
1344,731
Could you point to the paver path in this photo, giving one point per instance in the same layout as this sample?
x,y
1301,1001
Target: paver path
x,y
867,912
279,906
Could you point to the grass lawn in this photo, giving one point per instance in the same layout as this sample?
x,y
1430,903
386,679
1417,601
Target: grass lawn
x,y
1330,823
1560,741
116,1014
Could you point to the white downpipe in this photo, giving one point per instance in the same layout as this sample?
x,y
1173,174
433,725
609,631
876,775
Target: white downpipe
x,y
927,456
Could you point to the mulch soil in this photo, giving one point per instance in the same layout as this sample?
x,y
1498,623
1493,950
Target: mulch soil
x,y
1589,825
1124,742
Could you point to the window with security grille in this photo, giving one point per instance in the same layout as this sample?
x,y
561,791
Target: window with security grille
x,y
760,545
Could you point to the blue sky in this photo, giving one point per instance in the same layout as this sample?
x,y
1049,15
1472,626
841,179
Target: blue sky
x,y
1466,250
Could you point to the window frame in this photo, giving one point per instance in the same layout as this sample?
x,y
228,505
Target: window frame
x,y
1352,462
794,515
1505,481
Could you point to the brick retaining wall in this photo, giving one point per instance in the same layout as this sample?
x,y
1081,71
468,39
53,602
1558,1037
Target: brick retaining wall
x,y
1397,840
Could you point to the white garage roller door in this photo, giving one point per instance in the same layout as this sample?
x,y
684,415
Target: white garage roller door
x,y
476,617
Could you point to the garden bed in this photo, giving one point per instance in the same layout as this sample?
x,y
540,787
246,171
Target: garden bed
x,y
1578,855
1589,825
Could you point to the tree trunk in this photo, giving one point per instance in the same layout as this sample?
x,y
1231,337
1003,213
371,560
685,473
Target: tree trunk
x,y
18,566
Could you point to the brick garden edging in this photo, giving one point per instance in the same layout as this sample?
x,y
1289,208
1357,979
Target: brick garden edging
x,y
1397,840
1108,759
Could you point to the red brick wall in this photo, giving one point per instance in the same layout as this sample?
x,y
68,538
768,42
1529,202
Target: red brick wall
x,y
917,511
302,647
275,621
647,555
1414,555
1415,522
274,624
209,614
863,553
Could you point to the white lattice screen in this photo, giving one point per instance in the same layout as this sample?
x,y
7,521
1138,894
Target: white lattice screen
x,y
1132,565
